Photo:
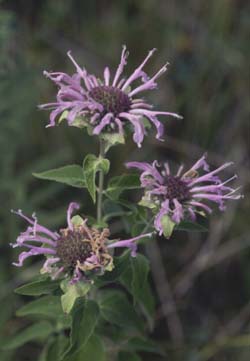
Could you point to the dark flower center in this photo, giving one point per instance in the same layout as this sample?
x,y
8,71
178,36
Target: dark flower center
x,y
112,99
72,246
176,189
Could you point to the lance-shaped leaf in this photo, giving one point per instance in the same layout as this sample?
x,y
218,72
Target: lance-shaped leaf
x,y
85,315
54,348
92,165
93,350
38,288
69,174
135,279
49,306
115,309
38,331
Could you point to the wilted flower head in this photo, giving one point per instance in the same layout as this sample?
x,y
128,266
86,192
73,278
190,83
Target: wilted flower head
x,y
182,195
107,106
76,251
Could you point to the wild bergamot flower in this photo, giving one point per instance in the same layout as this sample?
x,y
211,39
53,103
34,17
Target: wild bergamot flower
x,y
75,252
107,106
182,195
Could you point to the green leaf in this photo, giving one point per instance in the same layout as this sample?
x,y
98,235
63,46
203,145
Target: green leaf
x,y
167,225
70,174
92,351
191,227
121,183
92,165
38,288
43,355
38,331
85,316
54,348
115,309
135,279
140,268
49,306
72,292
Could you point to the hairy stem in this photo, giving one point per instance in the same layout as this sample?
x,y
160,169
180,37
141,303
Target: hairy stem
x,y
100,183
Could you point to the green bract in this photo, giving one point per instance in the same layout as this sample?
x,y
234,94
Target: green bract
x,y
167,225
72,292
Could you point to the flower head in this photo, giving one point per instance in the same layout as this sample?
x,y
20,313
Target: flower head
x,y
107,106
182,195
76,251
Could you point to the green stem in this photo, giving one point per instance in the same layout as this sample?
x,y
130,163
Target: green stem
x,y
100,183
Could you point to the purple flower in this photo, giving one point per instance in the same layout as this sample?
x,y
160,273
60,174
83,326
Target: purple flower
x,y
75,252
107,106
184,194
129,243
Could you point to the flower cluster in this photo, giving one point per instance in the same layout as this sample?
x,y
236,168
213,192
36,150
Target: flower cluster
x,y
76,251
182,194
109,105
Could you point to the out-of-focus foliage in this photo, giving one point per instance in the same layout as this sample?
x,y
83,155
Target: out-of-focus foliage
x,y
207,44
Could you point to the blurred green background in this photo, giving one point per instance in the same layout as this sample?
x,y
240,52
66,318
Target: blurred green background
x,y
206,278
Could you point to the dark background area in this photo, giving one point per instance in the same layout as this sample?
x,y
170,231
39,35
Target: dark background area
x,y
207,45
